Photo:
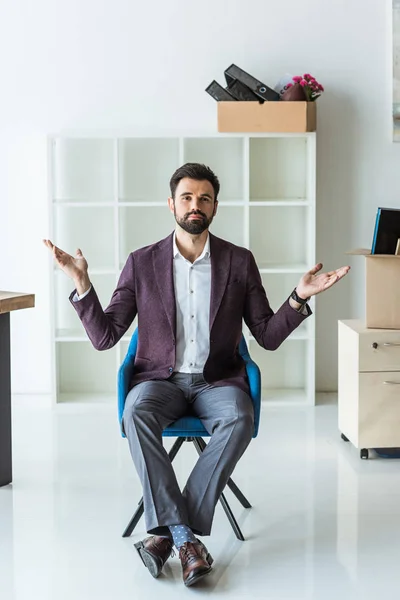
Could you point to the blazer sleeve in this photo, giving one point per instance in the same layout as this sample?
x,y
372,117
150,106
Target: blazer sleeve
x,y
268,328
106,327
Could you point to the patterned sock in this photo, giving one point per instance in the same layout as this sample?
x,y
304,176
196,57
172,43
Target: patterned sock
x,y
182,534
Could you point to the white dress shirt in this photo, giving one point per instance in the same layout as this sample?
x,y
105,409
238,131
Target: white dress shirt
x,y
192,282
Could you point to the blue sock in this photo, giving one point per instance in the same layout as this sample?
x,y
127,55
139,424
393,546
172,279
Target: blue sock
x,y
182,534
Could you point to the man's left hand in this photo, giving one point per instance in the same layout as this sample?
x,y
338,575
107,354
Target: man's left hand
x,y
313,282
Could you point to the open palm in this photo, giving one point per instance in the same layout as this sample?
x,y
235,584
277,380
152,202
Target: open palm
x,y
313,282
75,267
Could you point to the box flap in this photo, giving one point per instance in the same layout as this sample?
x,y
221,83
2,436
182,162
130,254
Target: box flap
x,y
366,252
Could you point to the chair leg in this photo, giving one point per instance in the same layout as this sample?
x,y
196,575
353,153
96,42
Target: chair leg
x,y
175,448
200,445
239,495
231,484
135,520
231,518
140,509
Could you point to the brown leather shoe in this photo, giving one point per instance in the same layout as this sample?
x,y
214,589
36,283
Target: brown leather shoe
x,y
154,552
196,562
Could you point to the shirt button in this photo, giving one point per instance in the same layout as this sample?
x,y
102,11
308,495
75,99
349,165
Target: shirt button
x,y
191,291
190,364
192,316
192,341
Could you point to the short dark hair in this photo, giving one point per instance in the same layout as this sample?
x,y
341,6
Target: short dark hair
x,y
194,171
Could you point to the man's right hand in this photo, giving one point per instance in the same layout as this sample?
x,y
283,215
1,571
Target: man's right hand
x,y
76,268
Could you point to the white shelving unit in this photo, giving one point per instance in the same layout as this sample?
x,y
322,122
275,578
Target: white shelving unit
x,y
109,197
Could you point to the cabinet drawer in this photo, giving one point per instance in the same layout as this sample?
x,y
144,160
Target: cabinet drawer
x,y
379,409
379,350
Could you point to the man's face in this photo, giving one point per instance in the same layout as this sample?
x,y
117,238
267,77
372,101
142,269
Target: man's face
x,y
194,206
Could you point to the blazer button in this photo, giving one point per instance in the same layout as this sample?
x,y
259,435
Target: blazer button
x,y
170,369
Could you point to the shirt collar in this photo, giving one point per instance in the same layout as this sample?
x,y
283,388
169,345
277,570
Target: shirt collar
x,y
206,250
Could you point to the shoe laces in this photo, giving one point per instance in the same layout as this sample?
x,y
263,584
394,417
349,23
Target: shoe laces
x,y
188,552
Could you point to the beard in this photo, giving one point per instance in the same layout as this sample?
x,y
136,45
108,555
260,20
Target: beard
x,y
195,226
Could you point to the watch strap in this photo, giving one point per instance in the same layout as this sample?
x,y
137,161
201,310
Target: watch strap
x,y
297,298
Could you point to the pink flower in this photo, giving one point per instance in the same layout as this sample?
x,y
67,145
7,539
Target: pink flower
x,y
307,76
321,87
303,83
297,79
289,85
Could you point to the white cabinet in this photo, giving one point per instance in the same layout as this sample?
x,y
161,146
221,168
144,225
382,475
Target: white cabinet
x,y
108,196
369,386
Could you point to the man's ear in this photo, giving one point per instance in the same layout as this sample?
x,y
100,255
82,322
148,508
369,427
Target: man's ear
x,y
215,207
171,204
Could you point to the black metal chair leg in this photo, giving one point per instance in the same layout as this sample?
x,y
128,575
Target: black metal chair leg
x,y
135,520
197,445
140,509
235,490
175,448
231,518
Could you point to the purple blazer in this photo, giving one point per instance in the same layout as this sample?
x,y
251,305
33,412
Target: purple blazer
x,y
146,288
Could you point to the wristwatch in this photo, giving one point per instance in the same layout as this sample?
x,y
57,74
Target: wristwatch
x,y
297,298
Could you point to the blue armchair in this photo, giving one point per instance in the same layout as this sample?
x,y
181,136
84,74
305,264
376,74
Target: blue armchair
x,y
189,428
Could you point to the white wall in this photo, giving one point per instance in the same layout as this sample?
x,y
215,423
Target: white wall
x,y
94,65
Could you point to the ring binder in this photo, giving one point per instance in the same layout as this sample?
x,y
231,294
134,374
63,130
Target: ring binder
x,y
257,87
219,93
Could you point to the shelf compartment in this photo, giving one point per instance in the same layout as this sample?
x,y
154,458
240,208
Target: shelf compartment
x,y
228,224
71,231
83,370
225,157
145,167
83,170
278,235
278,168
141,226
284,368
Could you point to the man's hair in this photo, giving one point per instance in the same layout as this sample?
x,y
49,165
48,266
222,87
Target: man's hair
x,y
194,171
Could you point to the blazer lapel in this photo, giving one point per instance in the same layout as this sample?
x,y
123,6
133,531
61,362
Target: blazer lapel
x,y
164,277
220,268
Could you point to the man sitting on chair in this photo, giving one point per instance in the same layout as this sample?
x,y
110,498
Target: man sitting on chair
x,y
190,291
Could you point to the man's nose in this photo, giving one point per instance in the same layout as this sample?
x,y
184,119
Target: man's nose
x,y
195,206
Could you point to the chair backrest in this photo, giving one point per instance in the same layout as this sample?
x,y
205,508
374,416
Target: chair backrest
x,y
126,370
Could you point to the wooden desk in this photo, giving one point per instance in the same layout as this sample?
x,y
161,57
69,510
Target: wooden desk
x,y
9,301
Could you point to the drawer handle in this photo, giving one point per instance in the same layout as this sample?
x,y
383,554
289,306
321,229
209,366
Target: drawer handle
x,y
390,344
391,383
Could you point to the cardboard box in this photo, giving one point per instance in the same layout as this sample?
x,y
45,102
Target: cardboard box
x,y
382,289
273,117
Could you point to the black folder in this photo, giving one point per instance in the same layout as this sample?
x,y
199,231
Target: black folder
x,y
261,90
218,92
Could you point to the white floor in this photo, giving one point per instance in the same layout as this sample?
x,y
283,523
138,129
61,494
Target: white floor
x,y
324,524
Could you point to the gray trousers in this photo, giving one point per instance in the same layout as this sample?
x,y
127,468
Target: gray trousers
x,y
226,413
